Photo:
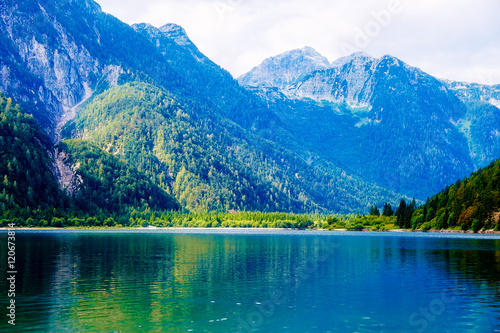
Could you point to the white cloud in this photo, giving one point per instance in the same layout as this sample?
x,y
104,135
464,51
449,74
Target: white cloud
x,y
455,39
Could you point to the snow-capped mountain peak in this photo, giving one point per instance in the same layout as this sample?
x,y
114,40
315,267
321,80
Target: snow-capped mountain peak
x,y
285,69
177,33
358,57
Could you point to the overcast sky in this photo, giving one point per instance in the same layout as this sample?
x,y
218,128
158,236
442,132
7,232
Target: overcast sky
x,y
453,39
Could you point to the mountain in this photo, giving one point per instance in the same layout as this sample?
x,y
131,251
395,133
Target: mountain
x,y
285,69
474,92
148,128
309,136
212,165
207,89
388,122
149,97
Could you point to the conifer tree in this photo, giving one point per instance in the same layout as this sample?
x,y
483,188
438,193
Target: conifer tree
x,y
401,213
387,211
374,211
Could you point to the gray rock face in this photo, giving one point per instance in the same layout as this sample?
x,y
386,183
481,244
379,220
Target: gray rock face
x,y
66,173
474,92
285,69
350,81
58,71
177,33
353,80
481,125
304,73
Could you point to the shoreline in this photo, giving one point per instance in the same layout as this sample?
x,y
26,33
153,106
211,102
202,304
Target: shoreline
x,y
444,231
482,232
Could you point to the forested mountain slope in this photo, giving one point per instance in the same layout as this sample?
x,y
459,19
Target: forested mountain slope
x,y
472,203
87,179
103,181
212,165
26,167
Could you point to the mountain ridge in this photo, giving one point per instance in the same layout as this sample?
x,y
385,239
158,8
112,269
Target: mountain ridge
x,y
386,100
296,62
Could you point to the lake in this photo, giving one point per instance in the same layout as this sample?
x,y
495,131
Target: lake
x,y
252,281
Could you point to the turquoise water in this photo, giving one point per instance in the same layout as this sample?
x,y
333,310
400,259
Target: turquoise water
x,y
252,281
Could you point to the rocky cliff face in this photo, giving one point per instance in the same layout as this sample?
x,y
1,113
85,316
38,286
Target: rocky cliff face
x,y
66,173
474,92
45,65
61,71
481,125
349,81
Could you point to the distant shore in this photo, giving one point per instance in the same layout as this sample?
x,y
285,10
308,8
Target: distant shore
x,y
487,232
447,231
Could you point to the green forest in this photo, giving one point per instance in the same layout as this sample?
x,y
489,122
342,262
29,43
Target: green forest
x,y
26,168
108,183
211,165
29,190
131,182
470,204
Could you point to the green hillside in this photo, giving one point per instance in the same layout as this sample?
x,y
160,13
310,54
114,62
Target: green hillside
x,y
213,164
108,183
197,163
470,204
25,168
104,184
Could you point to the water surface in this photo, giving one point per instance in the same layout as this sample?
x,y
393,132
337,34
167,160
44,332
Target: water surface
x,y
253,281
